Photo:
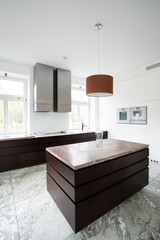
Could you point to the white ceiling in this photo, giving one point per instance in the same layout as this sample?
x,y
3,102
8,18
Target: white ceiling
x,y
46,30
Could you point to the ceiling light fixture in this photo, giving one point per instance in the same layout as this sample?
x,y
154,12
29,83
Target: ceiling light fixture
x,y
99,85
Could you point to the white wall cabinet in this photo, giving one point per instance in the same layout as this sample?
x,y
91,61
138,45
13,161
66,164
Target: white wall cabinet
x,y
154,120
153,130
123,94
132,92
153,85
138,91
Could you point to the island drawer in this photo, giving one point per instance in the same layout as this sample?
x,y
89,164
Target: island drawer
x,y
80,214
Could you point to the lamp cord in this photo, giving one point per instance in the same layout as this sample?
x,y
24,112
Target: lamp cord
x,y
98,51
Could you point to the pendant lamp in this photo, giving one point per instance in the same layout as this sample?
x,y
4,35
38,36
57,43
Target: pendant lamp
x,y
99,85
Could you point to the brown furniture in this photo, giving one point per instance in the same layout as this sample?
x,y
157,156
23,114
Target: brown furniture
x,y
30,151
86,181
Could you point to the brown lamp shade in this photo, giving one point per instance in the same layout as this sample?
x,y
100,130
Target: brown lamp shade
x,y
99,85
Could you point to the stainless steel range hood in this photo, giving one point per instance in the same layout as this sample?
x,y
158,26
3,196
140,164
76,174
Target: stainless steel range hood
x,y
52,89
62,90
43,88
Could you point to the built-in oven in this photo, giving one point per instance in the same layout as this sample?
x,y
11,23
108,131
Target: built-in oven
x,y
138,115
123,115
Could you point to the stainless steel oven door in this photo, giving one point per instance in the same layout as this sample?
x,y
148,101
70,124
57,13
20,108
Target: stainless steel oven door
x,y
139,115
123,115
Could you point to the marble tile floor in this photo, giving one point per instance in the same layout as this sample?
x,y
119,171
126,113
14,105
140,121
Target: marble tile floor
x,y
27,212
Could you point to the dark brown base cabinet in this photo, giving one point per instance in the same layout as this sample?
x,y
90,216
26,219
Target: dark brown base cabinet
x,y
86,194
21,153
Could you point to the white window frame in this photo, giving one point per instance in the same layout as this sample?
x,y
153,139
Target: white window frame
x,y
78,104
7,97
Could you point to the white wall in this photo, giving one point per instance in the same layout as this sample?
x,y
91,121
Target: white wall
x,y
38,121
138,87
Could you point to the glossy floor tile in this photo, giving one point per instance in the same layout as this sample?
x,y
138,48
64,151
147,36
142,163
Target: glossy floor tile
x,y
27,212
6,189
28,182
154,170
41,219
8,223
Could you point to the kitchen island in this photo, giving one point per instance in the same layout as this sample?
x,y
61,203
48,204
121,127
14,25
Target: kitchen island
x,y
87,181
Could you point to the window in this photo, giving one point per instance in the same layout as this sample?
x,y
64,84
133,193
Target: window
x,y
80,108
13,107
1,116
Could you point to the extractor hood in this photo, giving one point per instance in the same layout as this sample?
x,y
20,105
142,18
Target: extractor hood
x,y
52,89
43,88
62,90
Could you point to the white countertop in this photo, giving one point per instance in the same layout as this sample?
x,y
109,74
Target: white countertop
x,y
40,134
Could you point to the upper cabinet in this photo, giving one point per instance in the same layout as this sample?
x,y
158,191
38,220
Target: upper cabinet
x,y
138,91
43,88
62,90
123,94
52,89
132,92
153,85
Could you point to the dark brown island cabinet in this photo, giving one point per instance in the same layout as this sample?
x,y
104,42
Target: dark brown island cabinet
x,y
30,151
87,181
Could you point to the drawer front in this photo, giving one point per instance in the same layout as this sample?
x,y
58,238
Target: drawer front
x,y
97,171
8,151
135,168
61,168
134,184
8,162
135,157
66,206
31,158
64,184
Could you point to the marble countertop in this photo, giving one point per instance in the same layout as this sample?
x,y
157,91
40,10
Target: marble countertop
x,y
80,155
61,133
15,137
40,135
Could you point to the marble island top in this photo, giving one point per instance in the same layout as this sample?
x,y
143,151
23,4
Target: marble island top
x,y
80,155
